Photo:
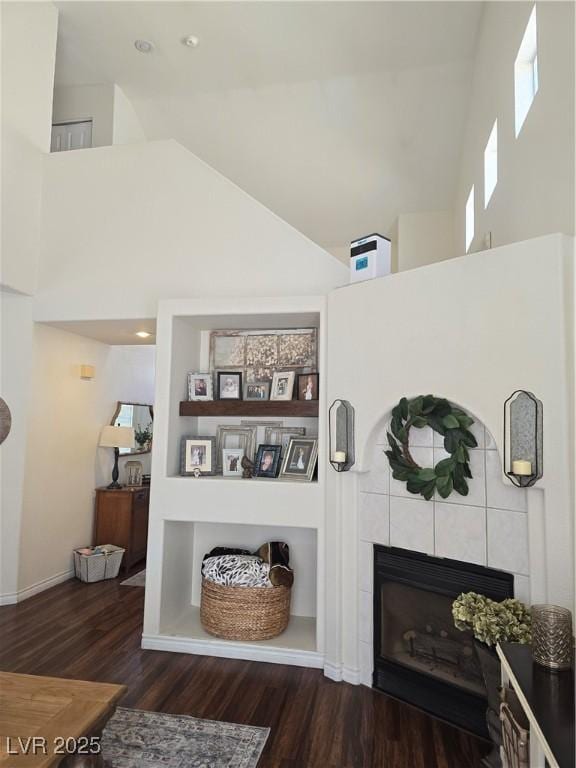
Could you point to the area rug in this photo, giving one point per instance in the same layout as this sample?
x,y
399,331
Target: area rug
x,y
137,739
138,580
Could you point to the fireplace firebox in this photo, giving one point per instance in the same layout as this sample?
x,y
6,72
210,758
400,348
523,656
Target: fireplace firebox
x,y
419,656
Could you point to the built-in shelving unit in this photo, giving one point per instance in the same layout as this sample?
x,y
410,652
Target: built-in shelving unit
x,y
189,516
265,409
296,645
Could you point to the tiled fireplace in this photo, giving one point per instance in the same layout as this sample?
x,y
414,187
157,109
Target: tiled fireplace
x,y
419,656
487,528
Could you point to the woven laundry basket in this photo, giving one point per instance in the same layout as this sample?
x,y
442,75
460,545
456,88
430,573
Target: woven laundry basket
x,y
99,566
244,613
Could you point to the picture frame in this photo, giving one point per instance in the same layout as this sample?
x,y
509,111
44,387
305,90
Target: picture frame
x,y
197,455
267,463
300,459
200,387
232,462
258,391
235,436
280,435
260,427
258,353
307,386
282,385
229,385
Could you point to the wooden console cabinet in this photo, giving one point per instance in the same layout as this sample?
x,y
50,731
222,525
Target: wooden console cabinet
x,y
122,519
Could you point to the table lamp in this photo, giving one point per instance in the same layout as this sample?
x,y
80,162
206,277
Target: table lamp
x,y
116,437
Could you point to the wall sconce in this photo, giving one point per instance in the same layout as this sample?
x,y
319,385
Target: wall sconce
x,y
87,372
523,459
341,435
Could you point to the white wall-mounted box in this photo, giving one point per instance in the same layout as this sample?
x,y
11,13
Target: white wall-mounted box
x,y
370,256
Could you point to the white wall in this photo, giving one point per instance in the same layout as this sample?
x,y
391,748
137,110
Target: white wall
x,y
423,238
15,376
63,461
447,329
114,120
416,239
157,222
535,190
85,102
28,56
127,128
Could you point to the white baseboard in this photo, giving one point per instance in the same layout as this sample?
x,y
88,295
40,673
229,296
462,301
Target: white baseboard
x,y
333,671
228,650
34,589
340,673
9,599
351,675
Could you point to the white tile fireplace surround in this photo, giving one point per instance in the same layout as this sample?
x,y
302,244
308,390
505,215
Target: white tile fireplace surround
x,y
488,527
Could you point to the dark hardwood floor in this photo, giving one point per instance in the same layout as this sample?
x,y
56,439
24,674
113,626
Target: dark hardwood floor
x,y
92,632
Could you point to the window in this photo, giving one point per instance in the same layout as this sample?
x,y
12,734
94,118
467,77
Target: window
x,y
470,219
491,164
526,72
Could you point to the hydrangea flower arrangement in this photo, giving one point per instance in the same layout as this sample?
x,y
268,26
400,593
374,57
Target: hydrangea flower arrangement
x,y
491,621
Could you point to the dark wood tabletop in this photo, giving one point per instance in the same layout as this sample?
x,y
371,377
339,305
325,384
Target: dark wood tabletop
x,y
550,696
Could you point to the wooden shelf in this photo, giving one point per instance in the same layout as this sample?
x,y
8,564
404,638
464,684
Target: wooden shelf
x,y
298,408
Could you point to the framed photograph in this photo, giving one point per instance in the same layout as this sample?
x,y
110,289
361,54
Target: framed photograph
x,y
258,353
197,454
307,386
279,435
231,462
229,385
267,461
199,386
258,390
235,436
282,385
300,459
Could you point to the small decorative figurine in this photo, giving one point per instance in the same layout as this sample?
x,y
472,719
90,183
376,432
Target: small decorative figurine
x,y
248,467
133,474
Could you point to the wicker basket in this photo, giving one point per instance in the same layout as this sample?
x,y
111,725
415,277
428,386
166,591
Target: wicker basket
x,y
244,613
515,731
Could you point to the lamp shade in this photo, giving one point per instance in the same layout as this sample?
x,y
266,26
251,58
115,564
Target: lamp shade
x,y
117,437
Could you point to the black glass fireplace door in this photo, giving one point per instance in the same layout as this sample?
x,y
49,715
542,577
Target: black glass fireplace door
x,y
419,656
418,632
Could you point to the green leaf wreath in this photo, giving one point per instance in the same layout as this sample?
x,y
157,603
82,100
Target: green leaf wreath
x,y
452,423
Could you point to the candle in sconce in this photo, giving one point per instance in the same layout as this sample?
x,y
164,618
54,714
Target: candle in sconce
x,y
339,457
521,467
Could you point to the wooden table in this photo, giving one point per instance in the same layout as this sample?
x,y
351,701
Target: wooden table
x,y
38,715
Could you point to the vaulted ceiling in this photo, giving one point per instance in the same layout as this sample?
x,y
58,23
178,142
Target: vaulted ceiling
x,y
338,116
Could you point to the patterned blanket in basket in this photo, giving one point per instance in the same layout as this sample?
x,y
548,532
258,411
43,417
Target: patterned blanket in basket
x,y
237,571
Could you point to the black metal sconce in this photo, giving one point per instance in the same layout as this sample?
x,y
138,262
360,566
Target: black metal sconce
x,y
341,435
523,438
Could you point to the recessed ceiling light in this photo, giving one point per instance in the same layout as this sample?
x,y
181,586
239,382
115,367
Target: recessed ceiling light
x,y
143,334
191,41
144,46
